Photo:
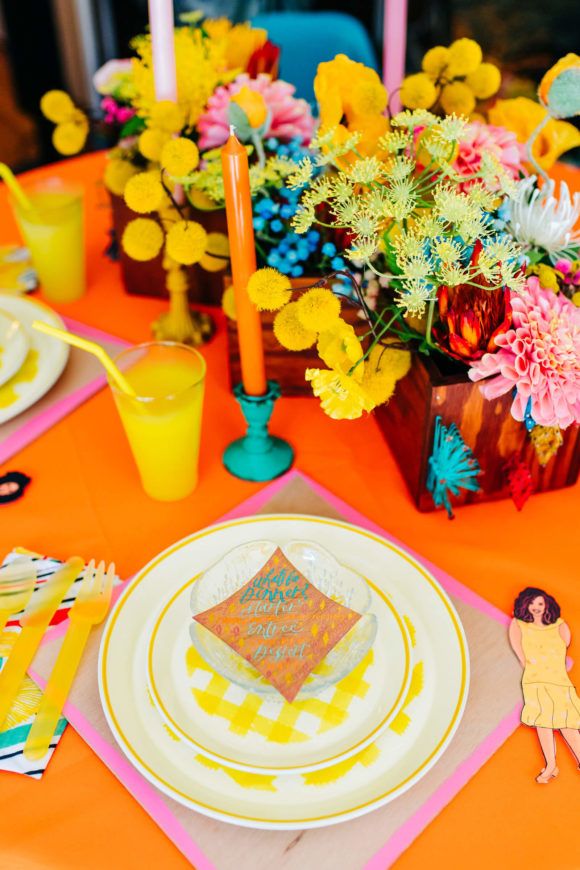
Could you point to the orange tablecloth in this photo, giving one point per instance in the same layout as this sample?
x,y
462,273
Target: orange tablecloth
x,y
85,498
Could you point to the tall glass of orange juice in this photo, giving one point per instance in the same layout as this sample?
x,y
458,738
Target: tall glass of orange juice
x,y
163,420
53,230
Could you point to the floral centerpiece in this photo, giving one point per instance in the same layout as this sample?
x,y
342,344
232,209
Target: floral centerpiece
x,y
164,169
478,258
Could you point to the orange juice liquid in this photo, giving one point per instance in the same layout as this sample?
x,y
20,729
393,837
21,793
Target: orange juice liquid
x,y
164,430
54,234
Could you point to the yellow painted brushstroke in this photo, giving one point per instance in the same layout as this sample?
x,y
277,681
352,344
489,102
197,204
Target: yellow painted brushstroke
x,y
330,774
247,780
8,392
402,720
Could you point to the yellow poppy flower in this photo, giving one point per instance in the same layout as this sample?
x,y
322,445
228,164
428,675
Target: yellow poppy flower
x,y
571,64
341,396
253,104
340,348
522,115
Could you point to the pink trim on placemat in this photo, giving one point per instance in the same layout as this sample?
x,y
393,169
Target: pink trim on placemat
x,y
150,800
35,427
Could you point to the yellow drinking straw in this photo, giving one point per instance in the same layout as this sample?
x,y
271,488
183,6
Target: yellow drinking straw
x,y
15,189
90,347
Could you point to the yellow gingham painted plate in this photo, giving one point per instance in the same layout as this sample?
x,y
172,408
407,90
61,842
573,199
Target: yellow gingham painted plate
x,y
250,732
402,754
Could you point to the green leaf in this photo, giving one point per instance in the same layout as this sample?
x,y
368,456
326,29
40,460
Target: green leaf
x,y
238,118
133,127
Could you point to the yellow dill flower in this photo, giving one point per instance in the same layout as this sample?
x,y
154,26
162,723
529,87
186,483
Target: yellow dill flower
x,y
117,174
229,303
341,396
318,309
289,330
144,192
186,242
69,137
418,92
151,142
142,239
217,253
435,61
269,290
166,116
179,156
458,99
464,57
339,347
57,106
176,281
484,81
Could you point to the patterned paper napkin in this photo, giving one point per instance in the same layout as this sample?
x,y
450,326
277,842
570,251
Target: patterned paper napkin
x,y
27,703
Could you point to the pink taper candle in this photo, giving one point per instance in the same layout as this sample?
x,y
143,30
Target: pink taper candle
x,y
161,23
394,48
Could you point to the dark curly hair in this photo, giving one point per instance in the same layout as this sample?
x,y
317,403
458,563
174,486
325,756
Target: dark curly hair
x,y
525,598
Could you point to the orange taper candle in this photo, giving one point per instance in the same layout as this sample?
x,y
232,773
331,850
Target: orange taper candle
x,y
243,259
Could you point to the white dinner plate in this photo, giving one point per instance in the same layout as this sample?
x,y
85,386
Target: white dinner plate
x,y
44,362
334,724
13,346
386,768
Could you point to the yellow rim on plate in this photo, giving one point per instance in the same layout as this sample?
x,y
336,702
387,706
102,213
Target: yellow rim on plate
x,y
289,769
220,813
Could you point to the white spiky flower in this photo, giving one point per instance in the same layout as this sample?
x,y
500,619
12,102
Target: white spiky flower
x,y
540,219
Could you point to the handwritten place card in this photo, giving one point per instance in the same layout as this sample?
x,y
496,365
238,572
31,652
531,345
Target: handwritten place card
x,y
280,623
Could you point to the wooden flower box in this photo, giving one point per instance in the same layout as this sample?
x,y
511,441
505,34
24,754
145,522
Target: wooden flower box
x,y
486,426
148,279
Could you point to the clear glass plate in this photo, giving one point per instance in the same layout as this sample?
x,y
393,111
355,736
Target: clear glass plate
x,y
338,582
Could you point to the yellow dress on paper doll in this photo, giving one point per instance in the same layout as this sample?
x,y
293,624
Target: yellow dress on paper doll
x,y
550,699
540,638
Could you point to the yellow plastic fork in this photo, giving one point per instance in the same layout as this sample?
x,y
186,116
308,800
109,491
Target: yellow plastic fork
x,y
89,609
16,586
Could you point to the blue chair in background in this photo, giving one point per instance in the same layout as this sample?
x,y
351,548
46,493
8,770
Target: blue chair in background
x,y
307,38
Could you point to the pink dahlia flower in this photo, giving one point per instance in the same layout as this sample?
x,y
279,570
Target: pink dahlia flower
x,y
498,141
539,357
290,118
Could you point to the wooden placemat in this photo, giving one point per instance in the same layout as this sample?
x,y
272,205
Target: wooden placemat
x,y
376,839
81,378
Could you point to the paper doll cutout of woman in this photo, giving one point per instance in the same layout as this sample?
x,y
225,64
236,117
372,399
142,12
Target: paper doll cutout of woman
x,y
540,637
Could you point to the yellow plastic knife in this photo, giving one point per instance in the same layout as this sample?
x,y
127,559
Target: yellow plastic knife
x,y
34,622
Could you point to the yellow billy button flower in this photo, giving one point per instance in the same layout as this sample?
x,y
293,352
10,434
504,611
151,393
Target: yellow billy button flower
x,y
418,92
289,330
269,290
341,396
457,99
576,298
464,57
151,143
318,309
57,106
179,156
484,81
144,192
142,239
217,253
167,116
69,137
117,174
229,303
253,104
186,242
435,61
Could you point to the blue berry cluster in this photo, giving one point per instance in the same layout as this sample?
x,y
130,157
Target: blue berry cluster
x,y
278,245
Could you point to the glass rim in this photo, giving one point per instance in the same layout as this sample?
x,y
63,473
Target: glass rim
x,y
48,184
150,344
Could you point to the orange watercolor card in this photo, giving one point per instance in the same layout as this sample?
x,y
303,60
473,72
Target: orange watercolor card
x,y
280,623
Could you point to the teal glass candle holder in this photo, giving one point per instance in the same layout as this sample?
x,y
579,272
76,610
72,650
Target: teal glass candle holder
x,y
258,455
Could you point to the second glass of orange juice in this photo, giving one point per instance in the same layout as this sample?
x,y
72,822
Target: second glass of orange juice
x,y
53,231
163,420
